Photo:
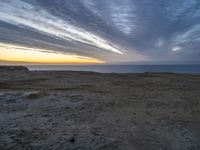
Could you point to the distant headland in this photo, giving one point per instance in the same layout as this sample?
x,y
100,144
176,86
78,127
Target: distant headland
x,y
13,68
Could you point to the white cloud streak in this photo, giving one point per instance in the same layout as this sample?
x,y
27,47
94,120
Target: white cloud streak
x,y
20,13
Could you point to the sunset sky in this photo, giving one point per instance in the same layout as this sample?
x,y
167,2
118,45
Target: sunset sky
x,y
99,31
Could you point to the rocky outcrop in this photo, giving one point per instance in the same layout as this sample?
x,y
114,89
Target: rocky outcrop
x,y
13,68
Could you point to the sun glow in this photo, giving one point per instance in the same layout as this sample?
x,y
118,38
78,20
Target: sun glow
x,y
15,53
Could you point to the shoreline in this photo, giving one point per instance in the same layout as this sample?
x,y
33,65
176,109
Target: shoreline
x,y
4,68
87,110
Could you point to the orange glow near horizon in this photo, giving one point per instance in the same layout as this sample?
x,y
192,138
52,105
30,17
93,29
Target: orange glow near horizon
x,y
15,53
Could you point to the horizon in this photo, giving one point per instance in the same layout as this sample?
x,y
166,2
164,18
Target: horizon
x,y
89,32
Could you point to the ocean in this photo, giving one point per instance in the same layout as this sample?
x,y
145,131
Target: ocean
x,y
119,68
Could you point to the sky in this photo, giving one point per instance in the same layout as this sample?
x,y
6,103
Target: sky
x,y
99,31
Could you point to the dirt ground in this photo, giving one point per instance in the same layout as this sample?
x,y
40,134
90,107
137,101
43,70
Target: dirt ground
x,y
93,111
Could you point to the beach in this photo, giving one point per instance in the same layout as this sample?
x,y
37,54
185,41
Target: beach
x,y
68,110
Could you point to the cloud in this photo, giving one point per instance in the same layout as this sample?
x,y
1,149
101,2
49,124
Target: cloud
x,y
114,30
22,14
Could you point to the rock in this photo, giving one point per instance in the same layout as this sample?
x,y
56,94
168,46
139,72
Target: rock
x,y
13,68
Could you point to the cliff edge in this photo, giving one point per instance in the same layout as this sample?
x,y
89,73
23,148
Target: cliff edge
x,y
13,68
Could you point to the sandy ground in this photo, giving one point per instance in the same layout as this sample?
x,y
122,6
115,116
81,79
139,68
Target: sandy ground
x,y
92,111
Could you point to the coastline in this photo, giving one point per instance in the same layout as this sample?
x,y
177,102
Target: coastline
x,y
88,110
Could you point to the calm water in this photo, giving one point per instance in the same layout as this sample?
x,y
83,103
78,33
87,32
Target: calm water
x,y
121,68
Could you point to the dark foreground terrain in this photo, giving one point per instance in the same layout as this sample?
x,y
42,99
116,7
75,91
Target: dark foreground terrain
x,y
93,111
